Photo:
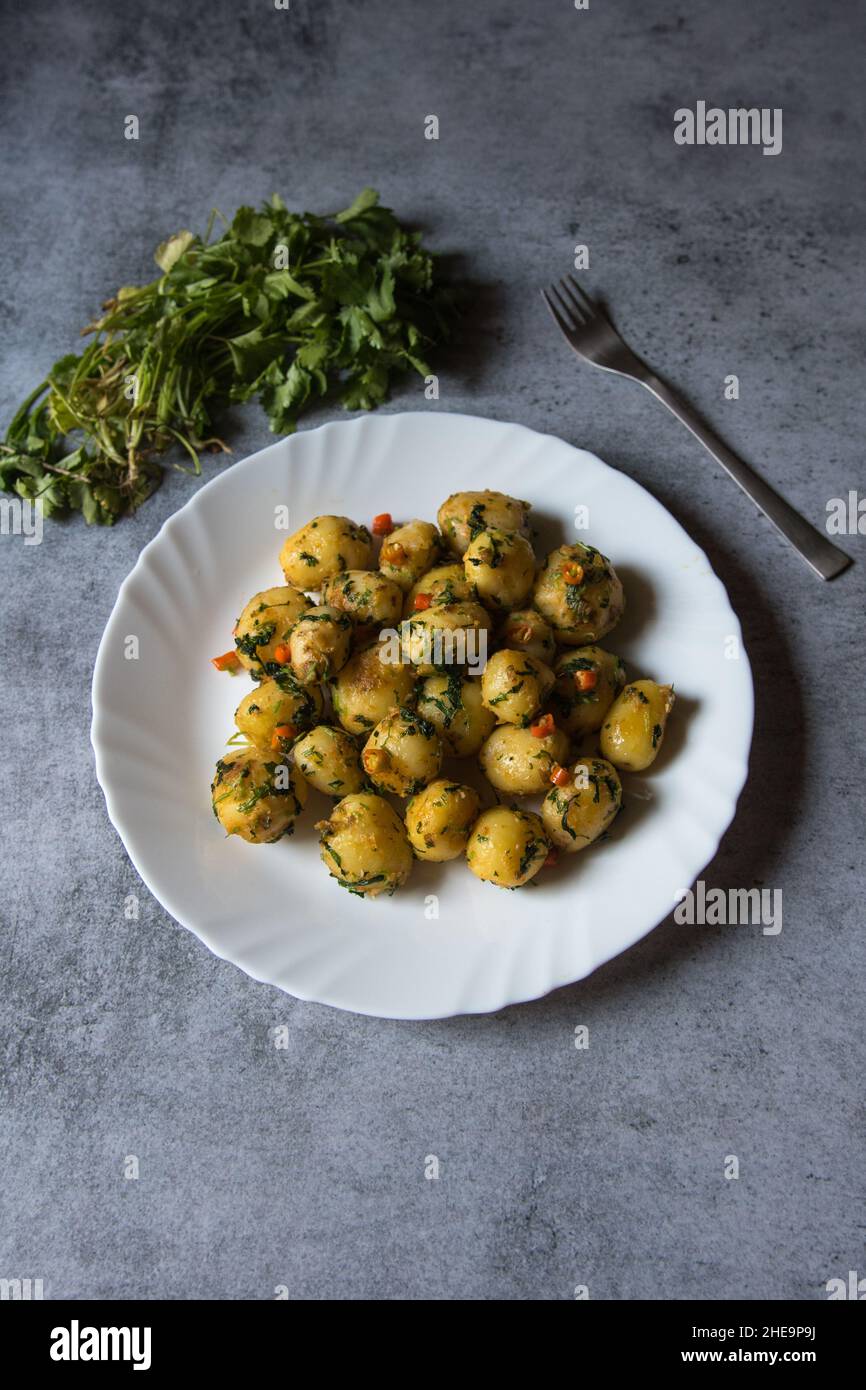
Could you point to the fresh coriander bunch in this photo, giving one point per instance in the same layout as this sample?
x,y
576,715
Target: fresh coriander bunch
x,y
285,306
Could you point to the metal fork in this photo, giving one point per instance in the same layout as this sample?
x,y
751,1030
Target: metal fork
x,y
593,337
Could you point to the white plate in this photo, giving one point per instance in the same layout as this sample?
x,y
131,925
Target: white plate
x,y
160,722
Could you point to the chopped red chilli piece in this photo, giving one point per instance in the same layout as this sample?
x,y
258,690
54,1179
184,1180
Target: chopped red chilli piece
x,y
543,727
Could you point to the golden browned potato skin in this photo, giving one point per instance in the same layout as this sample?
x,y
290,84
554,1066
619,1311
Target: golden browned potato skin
x,y
330,760
524,630
580,612
464,514
404,649
266,624
325,547
257,798
427,645
279,700
442,584
364,846
500,566
368,687
453,704
634,728
439,819
408,552
371,600
583,711
319,644
507,847
576,814
516,762
514,686
403,753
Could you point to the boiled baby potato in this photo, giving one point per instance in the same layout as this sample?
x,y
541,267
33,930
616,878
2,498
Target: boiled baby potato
x,y
514,686
507,847
525,630
454,634
363,844
579,594
500,566
408,552
588,679
273,714
518,762
632,733
265,626
453,704
439,819
371,600
326,546
319,644
442,584
577,812
465,514
257,798
329,760
368,686
403,753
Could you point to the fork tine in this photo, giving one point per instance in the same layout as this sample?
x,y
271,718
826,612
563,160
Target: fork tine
x,y
562,322
576,309
578,299
589,304
569,313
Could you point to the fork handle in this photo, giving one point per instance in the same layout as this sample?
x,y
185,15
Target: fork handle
x,y
819,553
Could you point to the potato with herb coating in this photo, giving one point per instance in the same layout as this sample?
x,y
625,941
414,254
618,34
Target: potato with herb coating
x,y
442,584
363,845
329,759
371,600
272,715
319,644
403,753
632,732
453,704
265,626
514,686
579,593
439,819
588,680
525,630
368,686
408,552
454,634
500,566
256,798
507,847
325,547
581,810
515,761
464,515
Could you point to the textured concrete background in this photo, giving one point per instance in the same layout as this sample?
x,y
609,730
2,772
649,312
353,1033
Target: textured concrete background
x,y
305,1167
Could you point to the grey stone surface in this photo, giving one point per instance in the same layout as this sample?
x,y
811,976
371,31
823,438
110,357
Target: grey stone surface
x,y
305,1167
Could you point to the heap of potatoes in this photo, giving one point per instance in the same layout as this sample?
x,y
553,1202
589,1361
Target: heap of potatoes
x,y
335,709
